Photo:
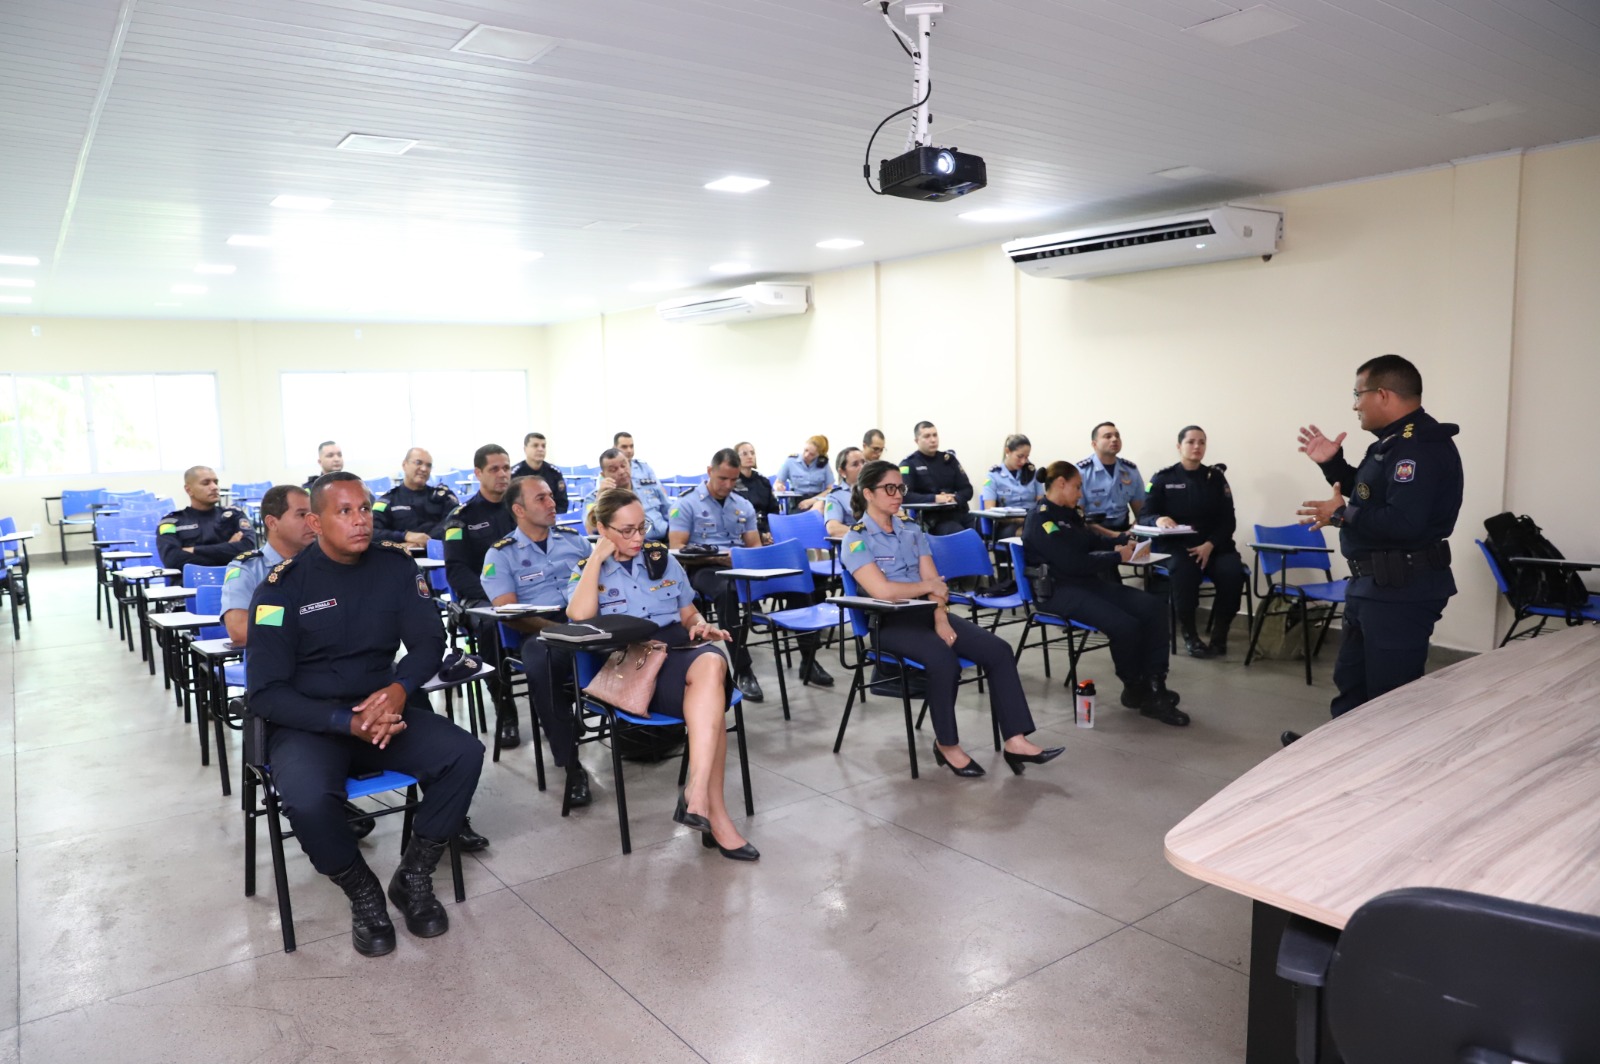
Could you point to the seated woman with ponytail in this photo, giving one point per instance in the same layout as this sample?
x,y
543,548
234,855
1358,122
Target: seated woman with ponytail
x,y
1014,482
889,558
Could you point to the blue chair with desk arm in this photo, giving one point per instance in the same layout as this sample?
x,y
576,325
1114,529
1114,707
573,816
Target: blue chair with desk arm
x,y
1424,975
15,561
781,627
1080,638
810,530
1207,590
77,512
1522,608
1299,598
11,584
962,555
862,634
611,721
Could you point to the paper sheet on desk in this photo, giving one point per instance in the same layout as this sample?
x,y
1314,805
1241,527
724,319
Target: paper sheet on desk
x,y
1141,551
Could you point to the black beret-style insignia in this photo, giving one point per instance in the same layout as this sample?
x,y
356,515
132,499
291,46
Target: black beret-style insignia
x,y
655,559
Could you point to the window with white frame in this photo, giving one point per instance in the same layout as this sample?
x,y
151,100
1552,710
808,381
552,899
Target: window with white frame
x,y
88,423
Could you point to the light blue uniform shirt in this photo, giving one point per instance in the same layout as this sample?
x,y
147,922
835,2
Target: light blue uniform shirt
x,y
655,510
1001,487
809,480
536,573
648,487
716,524
1110,492
836,506
630,590
897,554
245,574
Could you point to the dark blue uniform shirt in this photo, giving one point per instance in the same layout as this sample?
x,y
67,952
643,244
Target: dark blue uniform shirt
x,y
469,532
208,532
1058,536
400,510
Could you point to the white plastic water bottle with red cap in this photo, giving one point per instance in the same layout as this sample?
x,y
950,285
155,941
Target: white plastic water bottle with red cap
x,y
1083,704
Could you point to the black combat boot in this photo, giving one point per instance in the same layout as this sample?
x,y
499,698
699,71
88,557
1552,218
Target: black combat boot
x,y
371,933
411,888
1191,640
1162,704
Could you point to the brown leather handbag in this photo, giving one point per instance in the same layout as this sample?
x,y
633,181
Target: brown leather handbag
x,y
628,678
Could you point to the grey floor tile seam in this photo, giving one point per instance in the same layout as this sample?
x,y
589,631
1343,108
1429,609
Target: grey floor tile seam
x,y
1186,949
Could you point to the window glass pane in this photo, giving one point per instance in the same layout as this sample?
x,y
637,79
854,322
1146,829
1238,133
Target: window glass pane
x,y
186,421
124,422
53,425
10,460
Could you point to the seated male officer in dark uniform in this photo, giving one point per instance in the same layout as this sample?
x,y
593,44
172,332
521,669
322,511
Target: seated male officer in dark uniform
x,y
324,631
412,512
934,476
330,459
469,532
203,533
531,567
534,465
1394,530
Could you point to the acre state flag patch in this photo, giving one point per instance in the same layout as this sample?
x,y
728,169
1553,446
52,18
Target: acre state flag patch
x,y
452,534
269,616
166,530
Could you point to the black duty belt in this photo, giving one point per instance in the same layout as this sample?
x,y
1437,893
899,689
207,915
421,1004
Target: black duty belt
x,y
1374,563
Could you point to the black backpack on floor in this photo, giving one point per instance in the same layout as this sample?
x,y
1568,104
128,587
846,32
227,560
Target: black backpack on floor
x,y
1511,536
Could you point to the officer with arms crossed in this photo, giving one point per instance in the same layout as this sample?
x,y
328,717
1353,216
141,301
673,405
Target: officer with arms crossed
x,y
531,567
1112,485
325,627
202,533
932,475
534,465
469,532
1393,530
412,512
330,459
617,472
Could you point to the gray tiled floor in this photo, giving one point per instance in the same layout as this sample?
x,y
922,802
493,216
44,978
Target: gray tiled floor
x,y
1007,918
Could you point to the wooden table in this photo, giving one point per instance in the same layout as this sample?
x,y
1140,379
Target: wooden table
x,y
1483,776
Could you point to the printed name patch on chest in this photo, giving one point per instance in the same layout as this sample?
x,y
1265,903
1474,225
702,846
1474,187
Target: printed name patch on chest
x,y
1405,471
313,607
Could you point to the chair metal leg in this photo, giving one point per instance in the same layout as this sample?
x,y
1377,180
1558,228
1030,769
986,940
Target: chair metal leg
x,y
280,871
857,683
220,730
1305,633
1259,622
777,660
622,794
744,759
455,868
911,733
247,791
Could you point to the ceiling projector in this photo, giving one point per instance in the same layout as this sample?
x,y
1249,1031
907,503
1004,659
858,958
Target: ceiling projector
x,y
928,173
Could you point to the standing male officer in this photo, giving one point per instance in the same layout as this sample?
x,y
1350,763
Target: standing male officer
x,y
617,472
330,459
201,533
934,476
412,512
531,567
1112,485
646,484
1394,530
324,631
534,465
469,532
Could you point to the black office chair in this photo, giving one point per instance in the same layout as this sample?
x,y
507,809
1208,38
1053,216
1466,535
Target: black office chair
x,y
1430,976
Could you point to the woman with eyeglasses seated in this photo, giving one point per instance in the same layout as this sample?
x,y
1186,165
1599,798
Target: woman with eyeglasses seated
x,y
1014,482
1195,494
627,575
837,512
889,557
755,487
1077,557
806,472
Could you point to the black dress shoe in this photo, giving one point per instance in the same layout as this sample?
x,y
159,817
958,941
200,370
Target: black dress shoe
x,y
468,840
688,819
812,672
1289,737
1134,695
971,770
508,734
1016,761
750,687
1196,646
578,787
746,852
1219,648
1166,714
1160,692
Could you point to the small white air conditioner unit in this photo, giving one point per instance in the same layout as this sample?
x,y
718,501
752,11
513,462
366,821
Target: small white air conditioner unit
x,y
749,303
1212,235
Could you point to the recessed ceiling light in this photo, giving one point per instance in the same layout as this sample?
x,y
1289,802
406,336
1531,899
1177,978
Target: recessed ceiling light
x,y
16,299
730,267
188,289
656,286
1181,173
16,282
302,203
219,268
738,184
497,42
1238,27
18,260
243,240
839,243
1000,214
368,144
1488,112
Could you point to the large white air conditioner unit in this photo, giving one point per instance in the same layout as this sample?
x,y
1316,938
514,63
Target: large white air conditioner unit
x,y
1151,244
749,303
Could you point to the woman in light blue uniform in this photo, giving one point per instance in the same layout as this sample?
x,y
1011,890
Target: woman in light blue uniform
x,y
837,508
806,472
627,575
1014,482
889,558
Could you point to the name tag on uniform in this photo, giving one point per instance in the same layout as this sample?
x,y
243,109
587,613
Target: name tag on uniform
x,y
399,507
1173,487
530,577
476,527
186,528
313,607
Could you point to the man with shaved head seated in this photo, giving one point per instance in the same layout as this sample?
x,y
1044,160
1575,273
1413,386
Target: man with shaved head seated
x,y
203,533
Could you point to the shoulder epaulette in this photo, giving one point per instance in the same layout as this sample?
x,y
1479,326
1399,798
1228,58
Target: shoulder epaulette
x,y
583,561
859,526
1086,463
655,543
1130,465
444,489
564,529
176,515
401,547
502,543
903,516
456,512
998,468
1167,469
279,569
247,555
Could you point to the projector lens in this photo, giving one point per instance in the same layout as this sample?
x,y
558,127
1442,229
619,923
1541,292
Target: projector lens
x,y
945,163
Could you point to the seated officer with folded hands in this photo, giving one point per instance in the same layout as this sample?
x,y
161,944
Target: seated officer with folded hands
x,y
325,628
531,567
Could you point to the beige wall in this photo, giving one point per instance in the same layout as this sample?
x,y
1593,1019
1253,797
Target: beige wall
x,y
1484,273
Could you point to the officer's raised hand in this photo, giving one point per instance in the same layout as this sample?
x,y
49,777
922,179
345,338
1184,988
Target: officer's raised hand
x,y
1317,447
1319,512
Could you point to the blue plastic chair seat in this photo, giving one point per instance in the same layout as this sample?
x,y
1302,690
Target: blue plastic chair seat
x,y
892,658
988,602
801,618
1589,612
233,674
387,781
1326,592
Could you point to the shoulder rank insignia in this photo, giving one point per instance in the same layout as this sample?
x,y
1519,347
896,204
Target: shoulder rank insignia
x,y
247,555
1406,435
655,559
1085,463
401,547
277,570
503,543
566,529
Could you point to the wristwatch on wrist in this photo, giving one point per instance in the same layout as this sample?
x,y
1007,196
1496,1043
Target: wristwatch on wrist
x,y
1337,520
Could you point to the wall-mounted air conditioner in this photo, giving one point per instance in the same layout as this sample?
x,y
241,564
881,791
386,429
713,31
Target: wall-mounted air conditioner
x,y
1151,244
749,303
